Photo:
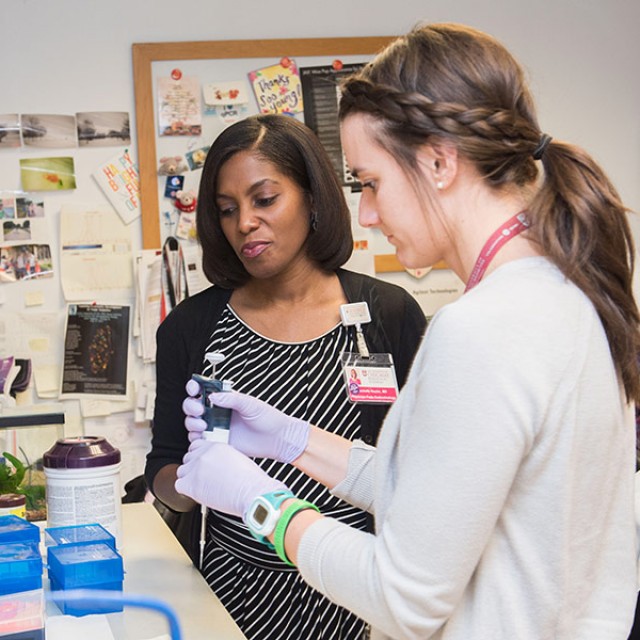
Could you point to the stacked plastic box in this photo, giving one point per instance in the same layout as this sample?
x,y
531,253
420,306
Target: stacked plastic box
x,y
83,557
21,597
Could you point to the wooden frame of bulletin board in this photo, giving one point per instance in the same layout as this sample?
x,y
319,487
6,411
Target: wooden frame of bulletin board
x,y
145,54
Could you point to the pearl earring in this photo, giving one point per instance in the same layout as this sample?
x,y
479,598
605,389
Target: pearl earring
x,y
439,184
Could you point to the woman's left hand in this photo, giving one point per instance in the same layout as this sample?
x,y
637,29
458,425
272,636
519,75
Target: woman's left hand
x,y
220,477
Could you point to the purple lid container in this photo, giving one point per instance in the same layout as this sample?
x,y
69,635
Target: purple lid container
x,y
84,452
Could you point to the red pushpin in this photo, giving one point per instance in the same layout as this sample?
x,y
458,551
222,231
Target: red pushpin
x,y
337,65
176,74
285,62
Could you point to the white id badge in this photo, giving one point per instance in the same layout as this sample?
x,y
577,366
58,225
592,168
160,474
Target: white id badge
x,y
370,380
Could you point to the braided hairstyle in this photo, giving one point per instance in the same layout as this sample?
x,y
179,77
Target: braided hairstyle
x,y
446,82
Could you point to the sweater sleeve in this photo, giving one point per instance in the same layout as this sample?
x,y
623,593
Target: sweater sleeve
x,y
446,485
357,486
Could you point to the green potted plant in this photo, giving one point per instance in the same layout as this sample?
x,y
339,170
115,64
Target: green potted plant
x,y
12,476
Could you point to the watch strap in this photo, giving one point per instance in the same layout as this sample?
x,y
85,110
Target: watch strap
x,y
275,499
281,527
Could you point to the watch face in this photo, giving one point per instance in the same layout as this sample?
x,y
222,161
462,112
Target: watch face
x,y
260,514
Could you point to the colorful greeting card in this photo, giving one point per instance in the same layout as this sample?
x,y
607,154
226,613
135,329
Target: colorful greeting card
x,y
119,180
277,88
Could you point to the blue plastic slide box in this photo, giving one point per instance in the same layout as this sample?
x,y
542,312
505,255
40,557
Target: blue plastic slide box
x,y
78,534
16,529
20,568
85,566
22,616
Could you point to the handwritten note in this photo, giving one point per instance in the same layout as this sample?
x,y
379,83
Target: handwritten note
x,y
277,88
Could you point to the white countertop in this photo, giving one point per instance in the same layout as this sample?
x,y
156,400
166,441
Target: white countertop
x,y
156,566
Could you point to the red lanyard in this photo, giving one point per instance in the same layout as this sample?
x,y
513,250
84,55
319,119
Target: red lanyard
x,y
510,229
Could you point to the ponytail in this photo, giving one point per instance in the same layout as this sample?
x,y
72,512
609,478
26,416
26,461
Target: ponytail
x,y
581,225
450,82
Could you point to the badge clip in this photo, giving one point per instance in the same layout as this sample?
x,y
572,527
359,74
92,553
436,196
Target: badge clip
x,y
355,315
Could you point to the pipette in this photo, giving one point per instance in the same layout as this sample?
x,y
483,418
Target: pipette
x,y
217,419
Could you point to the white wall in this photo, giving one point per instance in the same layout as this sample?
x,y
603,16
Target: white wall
x,y
64,56
72,55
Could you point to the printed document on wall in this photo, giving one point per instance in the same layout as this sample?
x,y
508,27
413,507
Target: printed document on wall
x,y
96,258
96,349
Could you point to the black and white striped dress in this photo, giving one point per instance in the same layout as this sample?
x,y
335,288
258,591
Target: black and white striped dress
x,y
267,599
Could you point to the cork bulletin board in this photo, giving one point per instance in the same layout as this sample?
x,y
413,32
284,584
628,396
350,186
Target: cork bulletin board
x,y
230,56
230,60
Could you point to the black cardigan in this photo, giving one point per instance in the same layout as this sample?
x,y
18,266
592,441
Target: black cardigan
x,y
397,326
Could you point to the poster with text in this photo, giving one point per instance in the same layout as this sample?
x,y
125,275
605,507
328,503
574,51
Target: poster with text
x,y
95,351
321,94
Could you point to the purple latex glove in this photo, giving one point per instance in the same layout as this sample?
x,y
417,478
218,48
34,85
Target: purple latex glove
x,y
220,477
193,409
260,430
257,428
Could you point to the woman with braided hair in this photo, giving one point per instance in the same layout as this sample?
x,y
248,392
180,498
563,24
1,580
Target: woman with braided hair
x,y
503,480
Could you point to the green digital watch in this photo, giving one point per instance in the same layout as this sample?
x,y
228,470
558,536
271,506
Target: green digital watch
x,y
263,514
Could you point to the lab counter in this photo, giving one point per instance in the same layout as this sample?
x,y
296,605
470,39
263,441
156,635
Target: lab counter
x,y
156,566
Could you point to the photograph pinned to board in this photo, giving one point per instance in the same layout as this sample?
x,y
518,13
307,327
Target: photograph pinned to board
x,y
28,206
16,230
9,131
119,180
179,106
96,349
25,262
7,205
49,130
277,88
103,128
196,158
47,174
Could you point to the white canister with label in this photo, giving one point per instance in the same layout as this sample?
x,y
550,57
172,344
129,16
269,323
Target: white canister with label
x,y
83,484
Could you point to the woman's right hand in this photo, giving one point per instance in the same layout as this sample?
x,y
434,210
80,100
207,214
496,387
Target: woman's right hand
x,y
257,429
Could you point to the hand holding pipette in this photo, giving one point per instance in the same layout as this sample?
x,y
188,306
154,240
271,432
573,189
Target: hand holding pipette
x,y
217,422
